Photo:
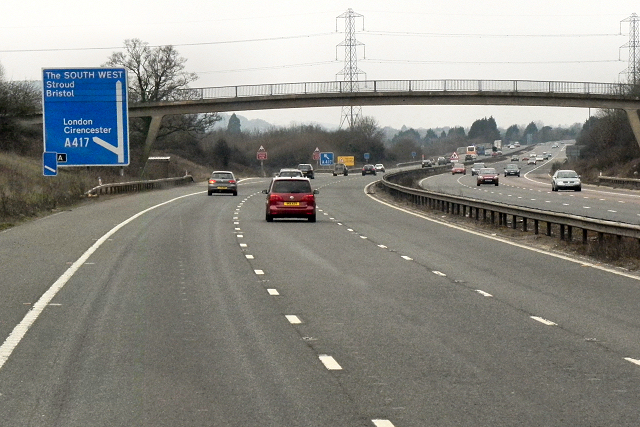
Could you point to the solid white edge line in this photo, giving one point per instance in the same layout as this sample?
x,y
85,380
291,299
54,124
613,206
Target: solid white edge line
x,y
21,328
498,239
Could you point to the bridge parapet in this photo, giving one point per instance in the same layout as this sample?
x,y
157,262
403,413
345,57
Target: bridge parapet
x,y
617,90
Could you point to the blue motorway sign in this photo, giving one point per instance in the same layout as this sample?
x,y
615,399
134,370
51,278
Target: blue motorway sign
x,y
85,115
326,159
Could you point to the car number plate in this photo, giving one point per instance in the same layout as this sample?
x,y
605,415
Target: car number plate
x,y
222,188
292,203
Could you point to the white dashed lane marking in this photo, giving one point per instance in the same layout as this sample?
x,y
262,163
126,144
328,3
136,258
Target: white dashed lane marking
x,y
543,321
636,361
483,293
329,362
293,319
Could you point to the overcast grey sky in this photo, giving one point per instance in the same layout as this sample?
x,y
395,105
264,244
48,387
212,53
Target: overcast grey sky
x,y
255,42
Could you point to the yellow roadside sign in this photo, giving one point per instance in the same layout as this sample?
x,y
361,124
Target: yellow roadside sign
x,y
346,160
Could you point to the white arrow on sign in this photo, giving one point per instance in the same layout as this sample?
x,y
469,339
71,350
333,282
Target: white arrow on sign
x,y
119,148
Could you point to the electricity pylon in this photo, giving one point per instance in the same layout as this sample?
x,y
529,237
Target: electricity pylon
x,y
350,114
633,69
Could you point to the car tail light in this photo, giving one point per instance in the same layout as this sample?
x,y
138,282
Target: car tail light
x,y
212,181
308,198
232,181
275,198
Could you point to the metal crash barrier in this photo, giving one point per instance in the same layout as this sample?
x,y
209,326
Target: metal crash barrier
x,y
127,187
502,214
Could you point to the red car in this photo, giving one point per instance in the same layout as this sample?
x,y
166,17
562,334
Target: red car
x,y
487,176
458,168
290,198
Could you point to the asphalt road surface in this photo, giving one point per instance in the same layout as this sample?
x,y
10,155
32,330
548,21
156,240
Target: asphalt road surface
x,y
172,308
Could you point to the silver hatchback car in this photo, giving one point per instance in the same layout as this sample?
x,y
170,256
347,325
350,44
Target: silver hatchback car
x,y
222,182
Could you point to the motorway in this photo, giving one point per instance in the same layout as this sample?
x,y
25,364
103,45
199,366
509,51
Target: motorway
x,y
172,308
533,190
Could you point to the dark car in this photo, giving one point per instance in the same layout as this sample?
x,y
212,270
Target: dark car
x,y
566,180
427,163
487,176
368,169
475,168
340,169
290,198
307,170
222,182
512,169
442,161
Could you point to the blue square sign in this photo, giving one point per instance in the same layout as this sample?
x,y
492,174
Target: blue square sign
x,y
85,115
49,164
326,159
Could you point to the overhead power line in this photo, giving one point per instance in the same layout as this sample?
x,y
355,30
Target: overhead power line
x,y
175,45
264,39
420,34
408,61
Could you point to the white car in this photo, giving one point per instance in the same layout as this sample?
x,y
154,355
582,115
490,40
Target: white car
x,y
566,180
379,167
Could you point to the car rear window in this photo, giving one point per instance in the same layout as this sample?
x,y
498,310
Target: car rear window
x,y
297,186
222,176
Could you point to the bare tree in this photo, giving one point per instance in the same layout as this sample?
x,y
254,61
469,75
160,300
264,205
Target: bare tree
x,y
158,74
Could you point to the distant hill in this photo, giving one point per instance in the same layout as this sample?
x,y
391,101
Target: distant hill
x,y
259,125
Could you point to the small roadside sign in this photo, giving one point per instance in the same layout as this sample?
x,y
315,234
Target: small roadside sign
x,y
49,163
261,154
454,157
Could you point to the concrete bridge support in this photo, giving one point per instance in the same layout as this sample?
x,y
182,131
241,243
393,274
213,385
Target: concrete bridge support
x,y
152,133
634,119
